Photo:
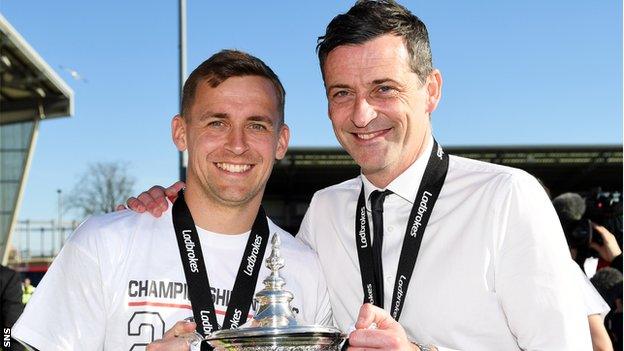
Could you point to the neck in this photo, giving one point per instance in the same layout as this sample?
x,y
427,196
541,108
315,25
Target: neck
x,y
217,217
383,177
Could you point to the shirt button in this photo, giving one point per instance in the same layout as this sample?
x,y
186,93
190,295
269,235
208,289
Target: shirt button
x,y
389,278
390,228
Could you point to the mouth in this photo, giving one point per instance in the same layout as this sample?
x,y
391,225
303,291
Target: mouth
x,y
370,135
233,167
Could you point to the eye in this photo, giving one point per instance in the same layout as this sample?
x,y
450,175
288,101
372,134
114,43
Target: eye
x,y
340,93
339,96
216,124
258,126
385,89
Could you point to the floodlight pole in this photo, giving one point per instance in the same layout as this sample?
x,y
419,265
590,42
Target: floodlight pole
x,y
182,74
60,218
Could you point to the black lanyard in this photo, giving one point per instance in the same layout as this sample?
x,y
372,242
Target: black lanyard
x,y
197,277
430,187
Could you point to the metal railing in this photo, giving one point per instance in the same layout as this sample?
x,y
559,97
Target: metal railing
x,y
35,240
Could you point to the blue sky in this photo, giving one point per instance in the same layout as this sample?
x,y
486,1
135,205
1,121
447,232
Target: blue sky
x,y
515,72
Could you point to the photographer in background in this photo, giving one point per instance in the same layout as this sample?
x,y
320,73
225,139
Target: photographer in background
x,y
593,228
608,283
609,250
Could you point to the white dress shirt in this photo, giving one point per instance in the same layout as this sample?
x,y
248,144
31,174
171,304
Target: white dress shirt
x,y
493,271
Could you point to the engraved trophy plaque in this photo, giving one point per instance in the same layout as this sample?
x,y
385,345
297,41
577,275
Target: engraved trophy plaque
x,y
275,327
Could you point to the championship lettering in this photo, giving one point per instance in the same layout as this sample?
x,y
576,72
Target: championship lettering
x,y
236,318
159,289
251,259
190,250
422,208
399,296
362,232
206,325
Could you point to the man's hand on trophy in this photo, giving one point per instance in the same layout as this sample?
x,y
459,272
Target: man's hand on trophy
x,y
179,338
153,200
376,329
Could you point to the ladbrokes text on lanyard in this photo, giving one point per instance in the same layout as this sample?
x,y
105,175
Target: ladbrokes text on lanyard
x,y
426,197
197,276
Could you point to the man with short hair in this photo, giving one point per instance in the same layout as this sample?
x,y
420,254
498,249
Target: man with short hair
x,y
464,262
464,254
124,278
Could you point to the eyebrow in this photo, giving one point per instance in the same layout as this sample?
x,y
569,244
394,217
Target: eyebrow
x,y
340,86
384,80
207,115
374,82
264,119
222,115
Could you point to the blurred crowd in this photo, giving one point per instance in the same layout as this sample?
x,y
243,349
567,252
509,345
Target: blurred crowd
x,y
14,294
592,223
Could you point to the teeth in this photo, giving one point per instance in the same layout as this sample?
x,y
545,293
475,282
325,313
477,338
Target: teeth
x,y
233,168
367,135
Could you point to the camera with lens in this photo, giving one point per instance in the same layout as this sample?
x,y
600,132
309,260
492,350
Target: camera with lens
x,y
577,215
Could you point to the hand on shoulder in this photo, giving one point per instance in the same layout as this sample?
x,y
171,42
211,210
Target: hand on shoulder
x,y
154,200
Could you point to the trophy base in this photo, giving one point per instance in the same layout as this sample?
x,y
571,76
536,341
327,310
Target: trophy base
x,y
278,339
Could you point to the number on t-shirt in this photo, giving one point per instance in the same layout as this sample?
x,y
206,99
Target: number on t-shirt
x,y
146,326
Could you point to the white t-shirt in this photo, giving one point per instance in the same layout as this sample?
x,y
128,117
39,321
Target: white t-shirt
x,y
118,284
493,272
594,303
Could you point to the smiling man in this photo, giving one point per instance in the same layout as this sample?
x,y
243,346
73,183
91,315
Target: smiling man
x,y
462,254
123,279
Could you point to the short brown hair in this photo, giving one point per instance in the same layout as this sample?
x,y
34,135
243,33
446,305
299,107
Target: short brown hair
x,y
226,64
369,19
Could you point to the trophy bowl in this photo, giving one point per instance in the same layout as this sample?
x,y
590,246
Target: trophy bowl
x,y
301,338
274,326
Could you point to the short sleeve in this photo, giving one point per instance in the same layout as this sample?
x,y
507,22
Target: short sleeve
x,y
594,303
67,311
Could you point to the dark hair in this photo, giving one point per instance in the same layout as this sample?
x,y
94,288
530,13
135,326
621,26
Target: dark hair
x,y
368,19
608,281
226,64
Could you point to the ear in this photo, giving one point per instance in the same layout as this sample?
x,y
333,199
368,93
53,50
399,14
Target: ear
x,y
178,132
282,142
434,90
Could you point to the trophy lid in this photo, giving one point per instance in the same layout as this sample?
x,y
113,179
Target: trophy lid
x,y
275,322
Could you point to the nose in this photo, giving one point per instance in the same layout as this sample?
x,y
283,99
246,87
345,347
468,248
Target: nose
x,y
236,141
363,113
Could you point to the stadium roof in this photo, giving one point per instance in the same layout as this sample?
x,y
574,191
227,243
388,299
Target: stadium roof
x,y
561,167
29,88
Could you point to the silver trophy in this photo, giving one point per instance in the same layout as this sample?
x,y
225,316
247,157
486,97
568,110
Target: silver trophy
x,y
275,327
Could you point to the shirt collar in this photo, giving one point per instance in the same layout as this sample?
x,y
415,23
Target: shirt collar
x,y
407,183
